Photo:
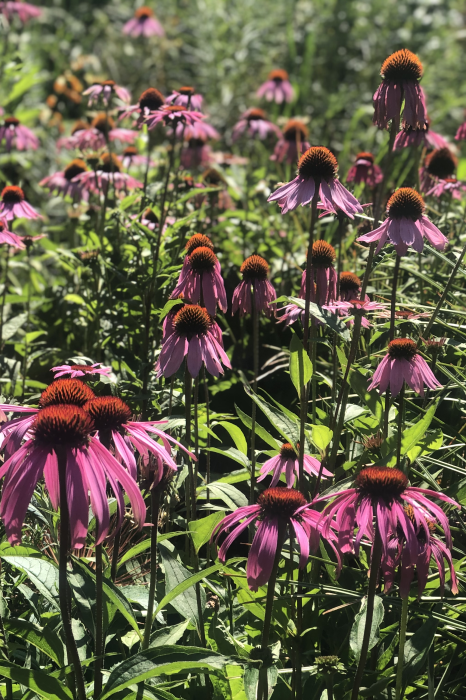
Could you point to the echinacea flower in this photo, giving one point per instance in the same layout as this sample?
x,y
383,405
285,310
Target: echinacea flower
x,y
355,307
17,135
130,156
405,315
104,92
254,123
109,173
461,133
144,23
365,170
80,370
9,238
187,97
254,289
277,88
323,286
349,286
292,143
150,101
287,462
317,169
13,205
406,225
403,363
384,493
172,115
64,181
191,336
438,165
95,135
61,438
278,512
200,130
201,276
401,73
196,154
17,8
450,186
420,136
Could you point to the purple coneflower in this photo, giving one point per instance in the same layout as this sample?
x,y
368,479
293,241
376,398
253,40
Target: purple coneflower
x,y
201,276
323,274
196,154
13,204
349,286
130,156
150,101
254,123
292,143
461,133
405,315
365,170
104,92
420,136
287,462
255,285
9,238
191,334
17,135
383,492
109,173
317,168
197,130
277,88
402,363
61,438
173,115
401,73
80,370
23,10
278,511
355,307
438,165
95,135
186,97
406,225
64,181
450,186
144,23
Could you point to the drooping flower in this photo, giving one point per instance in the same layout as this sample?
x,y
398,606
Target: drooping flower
x,y
254,123
403,363
103,92
95,136
14,205
401,73
405,315
438,165
173,115
323,286
384,493
365,170
9,238
450,186
80,370
17,135
196,154
109,174
130,156
355,307
201,276
187,97
277,88
255,286
287,462
406,225
150,101
420,136
61,438
64,181
191,336
349,286
144,23
200,130
17,8
278,512
292,143
317,168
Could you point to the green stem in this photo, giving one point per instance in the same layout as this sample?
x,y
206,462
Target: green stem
x,y
207,408
28,313
401,650
99,640
116,551
400,425
396,272
5,286
154,505
255,351
375,565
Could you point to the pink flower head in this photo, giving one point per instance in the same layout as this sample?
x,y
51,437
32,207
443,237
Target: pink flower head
x,y
80,370
420,136
17,135
450,186
292,143
196,154
130,156
278,512
65,182
291,313
287,462
402,363
349,287
104,92
200,130
404,315
108,173
323,275
401,73
317,168
144,23
201,276
150,101
438,165
254,123
14,205
277,88
365,170
355,307
383,492
461,133
254,285
23,10
9,238
186,97
173,115
194,336
96,135
406,226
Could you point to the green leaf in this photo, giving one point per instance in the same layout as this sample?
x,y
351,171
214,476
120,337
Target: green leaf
x,y
236,435
300,364
333,321
115,595
44,639
432,440
201,530
176,575
413,435
185,585
228,493
288,428
260,431
416,650
168,635
321,436
40,682
144,545
41,572
75,299
167,660
357,630
13,325
233,453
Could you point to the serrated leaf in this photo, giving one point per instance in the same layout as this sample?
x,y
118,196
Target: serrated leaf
x,y
359,624
41,572
300,364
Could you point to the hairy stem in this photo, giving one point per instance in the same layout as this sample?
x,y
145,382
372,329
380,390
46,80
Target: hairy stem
x,y
401,650
154,507
255,351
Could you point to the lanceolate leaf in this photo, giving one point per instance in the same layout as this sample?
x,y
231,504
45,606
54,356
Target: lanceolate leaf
x,y
300,364
41,572
287,428
44,685
44,639
357,630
